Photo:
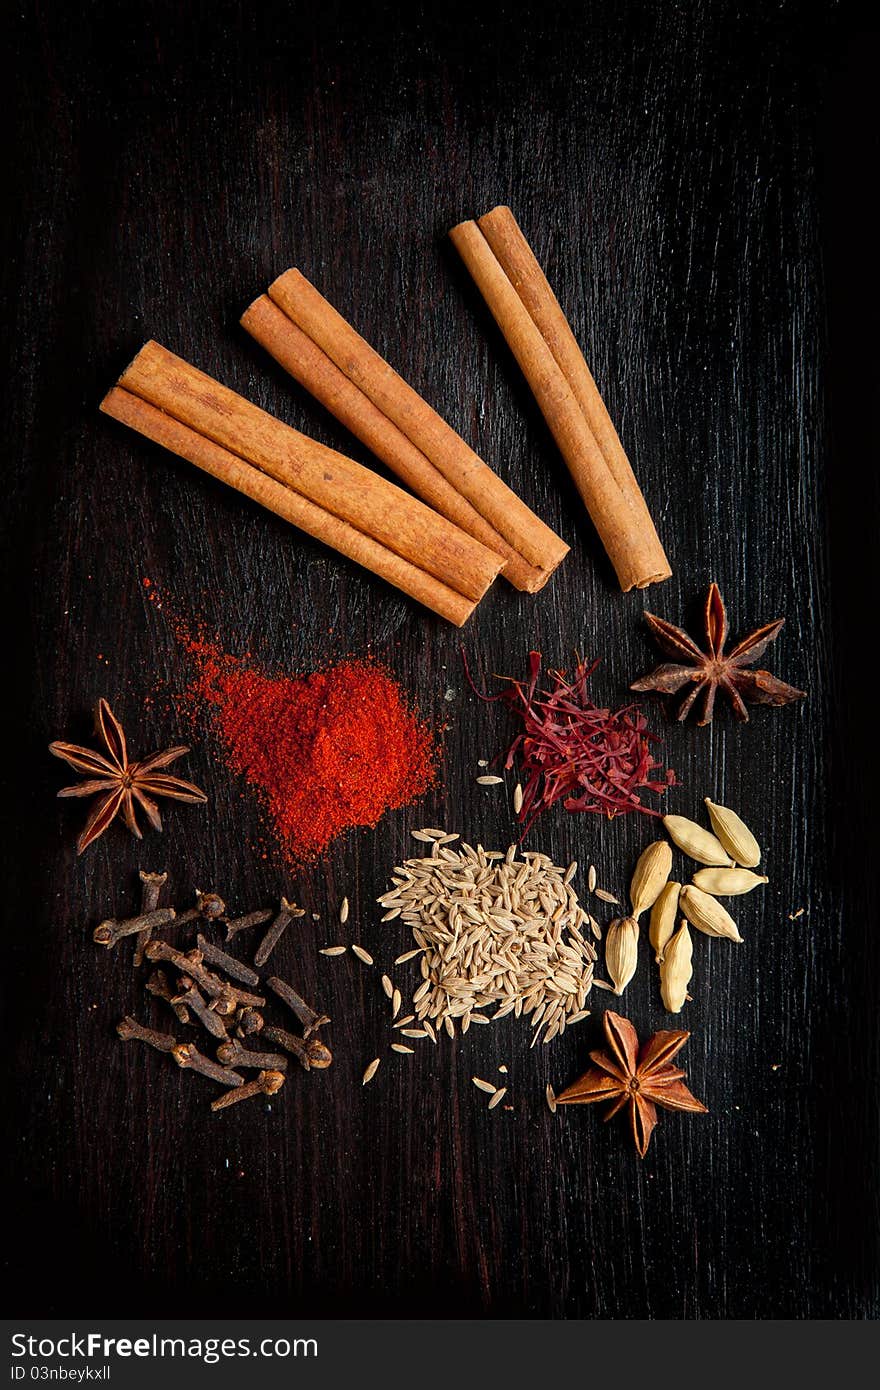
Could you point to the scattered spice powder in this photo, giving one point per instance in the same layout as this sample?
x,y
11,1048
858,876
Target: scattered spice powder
x,y
326,752
572,750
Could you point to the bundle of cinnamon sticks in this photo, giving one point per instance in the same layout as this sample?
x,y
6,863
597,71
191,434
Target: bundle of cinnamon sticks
x,y
325,494
445,545
325,354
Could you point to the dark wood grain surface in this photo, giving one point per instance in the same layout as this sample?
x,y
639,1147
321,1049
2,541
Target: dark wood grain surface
x,y
687,173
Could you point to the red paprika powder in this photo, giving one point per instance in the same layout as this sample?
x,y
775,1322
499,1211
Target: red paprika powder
x,y
325,752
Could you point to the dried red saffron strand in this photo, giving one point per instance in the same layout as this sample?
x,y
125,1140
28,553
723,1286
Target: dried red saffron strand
x,y
571,750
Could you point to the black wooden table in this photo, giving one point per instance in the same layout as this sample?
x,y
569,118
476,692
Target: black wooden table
x,y
688,174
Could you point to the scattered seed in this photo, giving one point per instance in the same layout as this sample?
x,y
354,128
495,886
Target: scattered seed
x,y
570,872
343,912
482,762
497,1098
793,916
517,799
408,955
401,1047
489,781
402,1022
387,986
607,897
396,1002
413,1033
371,1071
362,954
426,836
482,1085
551,1098
333,951
591,885
503,1068
603,984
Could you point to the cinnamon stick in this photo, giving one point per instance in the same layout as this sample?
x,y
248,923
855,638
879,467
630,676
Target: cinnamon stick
x,y
534,542
336,484
312,368
371,504
520,265
163,429
523,305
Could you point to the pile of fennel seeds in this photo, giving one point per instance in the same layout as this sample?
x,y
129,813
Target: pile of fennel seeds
x,y
492,930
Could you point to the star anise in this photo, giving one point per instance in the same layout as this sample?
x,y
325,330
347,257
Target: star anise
x,y
716,669
124,785
640,1077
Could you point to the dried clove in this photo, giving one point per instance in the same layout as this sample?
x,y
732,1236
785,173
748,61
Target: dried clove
x,y
251,919
311,1053
236,968
158,985
289,910
151,889
189,965
232,1054
241,996
224,1005
188,1055
266,1084
192,999
129,1029
111,931
209,906
247,1022
308,1017
206,980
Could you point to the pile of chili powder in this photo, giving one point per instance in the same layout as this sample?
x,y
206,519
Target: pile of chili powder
x,y
325,752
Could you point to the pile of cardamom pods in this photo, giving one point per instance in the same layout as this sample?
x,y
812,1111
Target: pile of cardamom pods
x,y
730,855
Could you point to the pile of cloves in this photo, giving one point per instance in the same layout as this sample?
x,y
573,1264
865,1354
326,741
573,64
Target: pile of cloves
x,y
215,990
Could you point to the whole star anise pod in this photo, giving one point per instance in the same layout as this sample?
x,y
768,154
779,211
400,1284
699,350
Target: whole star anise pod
x,y
640,1077
123,785
716,669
